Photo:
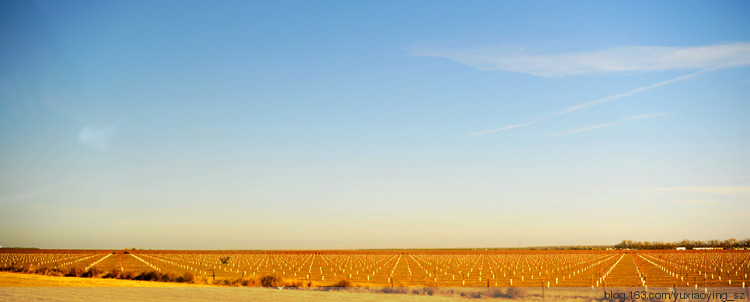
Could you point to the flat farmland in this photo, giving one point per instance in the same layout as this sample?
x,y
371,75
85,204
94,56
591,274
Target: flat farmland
x,y
410,268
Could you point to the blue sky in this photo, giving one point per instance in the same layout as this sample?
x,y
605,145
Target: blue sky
x,y
333,124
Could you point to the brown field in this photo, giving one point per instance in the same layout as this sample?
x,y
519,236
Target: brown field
x,y
401,268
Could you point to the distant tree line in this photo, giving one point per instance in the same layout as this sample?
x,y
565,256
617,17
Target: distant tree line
x,y
687,244
566,247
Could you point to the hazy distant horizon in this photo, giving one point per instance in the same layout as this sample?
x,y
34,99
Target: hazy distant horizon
x,y
675,243
396,124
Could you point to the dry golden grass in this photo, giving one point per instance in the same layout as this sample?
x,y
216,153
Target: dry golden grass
x,y
32,280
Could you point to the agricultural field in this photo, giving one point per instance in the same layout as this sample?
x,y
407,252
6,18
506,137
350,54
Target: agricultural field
x,y
409,268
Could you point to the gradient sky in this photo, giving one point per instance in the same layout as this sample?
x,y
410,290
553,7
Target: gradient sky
x,y
372,124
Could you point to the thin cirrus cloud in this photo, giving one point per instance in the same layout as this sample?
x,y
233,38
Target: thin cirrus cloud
x,y
716,190
629,93
694,202
502,129
609,124
623,59
99,137
733,177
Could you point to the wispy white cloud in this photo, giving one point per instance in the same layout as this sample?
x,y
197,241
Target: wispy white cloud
x,y
502,129
99,137
609,124
644,116
586,129
623,59
705,58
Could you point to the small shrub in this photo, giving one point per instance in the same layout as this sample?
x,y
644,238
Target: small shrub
x,y
516,293
394,290
168,277
128,275
497,293
91,273
270,281
388,290
188,277
54,272
342,283
338,285
427,291
295,284
113,274
74,272
148,276
250,282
